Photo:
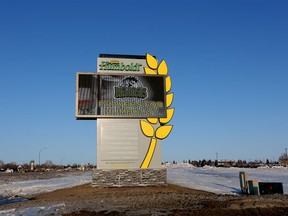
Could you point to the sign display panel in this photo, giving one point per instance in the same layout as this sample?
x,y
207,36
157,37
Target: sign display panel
x,y
120,96
120,65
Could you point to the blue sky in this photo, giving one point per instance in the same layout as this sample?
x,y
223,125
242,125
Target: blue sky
x,y
228,61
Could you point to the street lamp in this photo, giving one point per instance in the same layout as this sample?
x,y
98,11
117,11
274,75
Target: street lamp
x,y
216,162
40,153
286,157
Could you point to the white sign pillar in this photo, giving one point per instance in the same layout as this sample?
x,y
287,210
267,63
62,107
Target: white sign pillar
x,y
120,142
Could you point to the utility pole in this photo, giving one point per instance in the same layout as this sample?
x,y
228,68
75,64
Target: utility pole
x,y
216,162
286,157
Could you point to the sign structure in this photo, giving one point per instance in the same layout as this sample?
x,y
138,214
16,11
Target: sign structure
x,y
130,98
115,95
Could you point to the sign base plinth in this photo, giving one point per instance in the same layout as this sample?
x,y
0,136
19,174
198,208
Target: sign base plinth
x,y
129,177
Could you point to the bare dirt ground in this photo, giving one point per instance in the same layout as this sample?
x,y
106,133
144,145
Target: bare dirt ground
x,y
164,200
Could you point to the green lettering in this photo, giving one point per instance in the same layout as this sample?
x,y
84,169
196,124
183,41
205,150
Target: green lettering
x,y
138,67
122,68
127,67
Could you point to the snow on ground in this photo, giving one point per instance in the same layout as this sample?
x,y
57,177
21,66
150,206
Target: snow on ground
x,y
10,192
213,179
222,180
24,188
45,210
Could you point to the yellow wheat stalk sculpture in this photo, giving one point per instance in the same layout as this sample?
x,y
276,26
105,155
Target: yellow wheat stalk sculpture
x,y
148,127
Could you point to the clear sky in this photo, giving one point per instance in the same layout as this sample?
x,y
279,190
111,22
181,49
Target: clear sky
x,y
228,61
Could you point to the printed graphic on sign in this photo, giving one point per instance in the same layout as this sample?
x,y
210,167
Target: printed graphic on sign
x,y
130,88
156,128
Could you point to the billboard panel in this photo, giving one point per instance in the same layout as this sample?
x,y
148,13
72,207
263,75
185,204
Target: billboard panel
x,y
120,96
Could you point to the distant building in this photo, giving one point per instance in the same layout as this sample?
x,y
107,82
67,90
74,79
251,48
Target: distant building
x,y
226,163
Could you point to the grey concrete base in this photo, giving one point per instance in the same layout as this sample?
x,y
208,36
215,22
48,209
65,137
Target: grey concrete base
x,y
129,177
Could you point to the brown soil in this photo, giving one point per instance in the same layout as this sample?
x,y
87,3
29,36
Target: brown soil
x,y
165,200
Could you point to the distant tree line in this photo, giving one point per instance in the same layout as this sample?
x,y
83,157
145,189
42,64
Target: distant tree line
x,y
47,166
283,159
232,163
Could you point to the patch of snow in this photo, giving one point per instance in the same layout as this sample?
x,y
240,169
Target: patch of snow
x,y
7,212
223,180
42,210
24,188
171,165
